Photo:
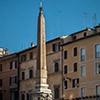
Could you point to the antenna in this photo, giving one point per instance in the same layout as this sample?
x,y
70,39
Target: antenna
x,y
95,19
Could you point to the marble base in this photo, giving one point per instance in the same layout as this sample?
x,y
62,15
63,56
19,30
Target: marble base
x,y
41,92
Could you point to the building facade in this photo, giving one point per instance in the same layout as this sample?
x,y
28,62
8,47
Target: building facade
x,y
73,67
9,77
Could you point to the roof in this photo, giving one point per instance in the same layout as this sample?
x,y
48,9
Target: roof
x,y
81,39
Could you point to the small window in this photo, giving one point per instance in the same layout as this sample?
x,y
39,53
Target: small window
x,y
0,67
85,34
13,64
23,58
31,55
65,54
56,66
13,80
75,51
98,90
97,51
75,83
83,71
23,97
65,84
83,92
56,47
30,73
97,68
74,37
56,92
75,67
0,82
65,69
23,75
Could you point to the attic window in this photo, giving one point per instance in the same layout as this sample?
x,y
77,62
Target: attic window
x,y
85,34
74,37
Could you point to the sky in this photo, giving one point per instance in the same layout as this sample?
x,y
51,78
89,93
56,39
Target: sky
x,y
18,20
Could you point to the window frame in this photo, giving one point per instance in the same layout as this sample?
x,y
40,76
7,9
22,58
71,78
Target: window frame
x,y
74,83
57,92
55,47
65,54
75,51
75,67
13,80
65,69
31,73
95,68
56,66
82,94
97,53
23,76
82,54
98,85
83,74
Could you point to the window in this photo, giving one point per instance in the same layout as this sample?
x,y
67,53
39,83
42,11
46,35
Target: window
x,y
75,51
83,71
65,54
0,67
56,47
75,83
13,96
28,97
98,90
13,64
85,34
82,91
13,80
56,92
75,67
23,75
82,54
65,84
23,58
1,95
0,82
65,69
56,67
97,51
31,55
23,97
74,37
97,68
30,73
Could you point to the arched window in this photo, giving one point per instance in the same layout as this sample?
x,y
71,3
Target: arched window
x,y
30,73
23,75
56,67
23,97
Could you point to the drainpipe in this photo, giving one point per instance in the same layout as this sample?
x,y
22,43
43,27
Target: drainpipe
x,y
18,68
62,67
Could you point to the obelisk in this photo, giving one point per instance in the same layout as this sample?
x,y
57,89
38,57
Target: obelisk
x,y
41,88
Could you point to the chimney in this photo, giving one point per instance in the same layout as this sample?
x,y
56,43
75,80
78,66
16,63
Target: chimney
x,y
32,44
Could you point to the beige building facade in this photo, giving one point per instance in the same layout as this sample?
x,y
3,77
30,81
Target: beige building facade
x,y
73,65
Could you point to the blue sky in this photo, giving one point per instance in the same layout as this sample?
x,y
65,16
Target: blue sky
x,y
18,20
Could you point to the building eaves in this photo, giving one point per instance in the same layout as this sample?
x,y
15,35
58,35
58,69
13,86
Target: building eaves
x,y
80,39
